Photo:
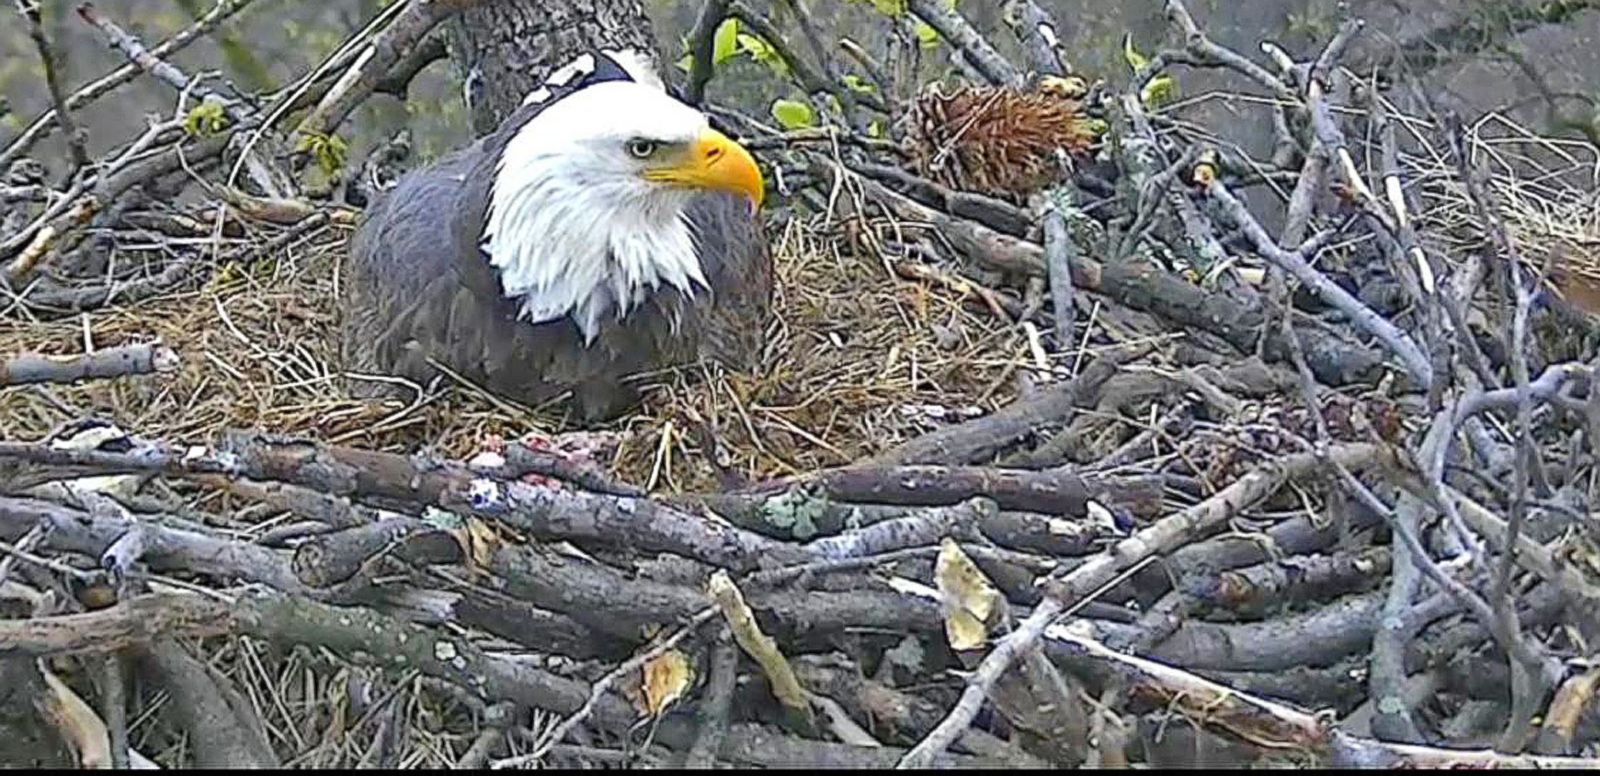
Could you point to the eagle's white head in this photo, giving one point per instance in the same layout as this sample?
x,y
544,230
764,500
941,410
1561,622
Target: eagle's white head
x,y
586,213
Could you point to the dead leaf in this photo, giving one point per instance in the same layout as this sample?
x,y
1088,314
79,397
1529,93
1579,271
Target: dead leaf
x,y
478,540
969,599
484,541
666,677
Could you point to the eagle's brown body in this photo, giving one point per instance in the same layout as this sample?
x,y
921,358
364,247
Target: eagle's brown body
x,y
418,287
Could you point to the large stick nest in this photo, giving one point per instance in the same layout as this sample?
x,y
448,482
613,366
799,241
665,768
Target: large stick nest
x,y
1061,454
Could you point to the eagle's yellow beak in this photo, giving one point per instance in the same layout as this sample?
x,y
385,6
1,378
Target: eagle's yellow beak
x,y
715,162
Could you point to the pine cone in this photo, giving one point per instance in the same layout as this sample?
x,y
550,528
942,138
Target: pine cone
x,y
996,140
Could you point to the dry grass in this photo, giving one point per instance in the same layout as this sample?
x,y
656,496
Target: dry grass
x,y
859,360
1545,187
320,712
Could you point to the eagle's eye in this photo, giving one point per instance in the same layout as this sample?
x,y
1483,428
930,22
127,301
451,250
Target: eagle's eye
x,y
640,148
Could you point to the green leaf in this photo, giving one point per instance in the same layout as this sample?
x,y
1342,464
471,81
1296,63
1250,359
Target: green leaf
x,y
792,114
858,84
875,129
892,8
686,62
755,47
1161,90
1134,59
926,35
328,150
205,120
763,52
725,41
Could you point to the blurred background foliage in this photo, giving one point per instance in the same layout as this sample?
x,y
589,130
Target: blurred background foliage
x,y
1536,58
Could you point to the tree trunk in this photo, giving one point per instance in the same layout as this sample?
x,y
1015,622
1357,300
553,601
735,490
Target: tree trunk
x,y
503,49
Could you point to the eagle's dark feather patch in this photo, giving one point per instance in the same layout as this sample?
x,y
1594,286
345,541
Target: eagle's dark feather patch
x,y
586,70
606,69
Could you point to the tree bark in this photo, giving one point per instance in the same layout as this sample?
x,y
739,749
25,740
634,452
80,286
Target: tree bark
x,y
503,49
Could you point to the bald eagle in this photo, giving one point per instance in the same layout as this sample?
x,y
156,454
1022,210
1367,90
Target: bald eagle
x,y
605,229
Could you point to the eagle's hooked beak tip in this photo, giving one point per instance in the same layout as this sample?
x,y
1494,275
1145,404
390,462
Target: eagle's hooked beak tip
x,y
717,162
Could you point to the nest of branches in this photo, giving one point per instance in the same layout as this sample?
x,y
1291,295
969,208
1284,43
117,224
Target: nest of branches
x,y
1118,477
862,359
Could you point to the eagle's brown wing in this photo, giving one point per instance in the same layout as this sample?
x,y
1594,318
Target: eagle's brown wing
x,y
399,282
738,264
418,287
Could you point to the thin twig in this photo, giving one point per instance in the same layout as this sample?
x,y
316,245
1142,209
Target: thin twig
x,y
702,46
52,77
147,61
601,687
1040,37
122,75
1296,264
1079,584
961,34
376,61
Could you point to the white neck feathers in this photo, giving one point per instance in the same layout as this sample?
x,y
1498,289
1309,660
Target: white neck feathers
x,y
573,229
567,247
